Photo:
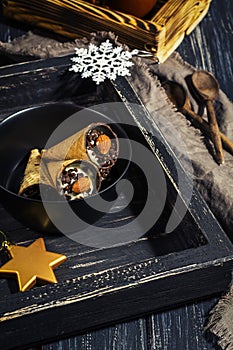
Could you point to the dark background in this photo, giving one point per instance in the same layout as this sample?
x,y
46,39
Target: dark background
x,y
209,47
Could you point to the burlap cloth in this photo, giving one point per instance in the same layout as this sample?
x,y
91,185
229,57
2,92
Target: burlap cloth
x,y
214,182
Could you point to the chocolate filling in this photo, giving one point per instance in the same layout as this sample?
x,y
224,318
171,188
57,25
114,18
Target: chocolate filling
x,y
107,160
68,178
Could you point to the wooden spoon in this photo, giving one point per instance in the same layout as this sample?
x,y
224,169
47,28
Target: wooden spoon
x,y
177,95
207,87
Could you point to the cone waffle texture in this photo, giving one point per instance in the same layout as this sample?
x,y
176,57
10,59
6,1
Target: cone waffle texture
x,y
54,169
32,171
46,166
74,147
38,171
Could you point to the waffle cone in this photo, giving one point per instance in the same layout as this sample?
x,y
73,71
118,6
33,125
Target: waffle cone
x,y
73,147
44,168
35,174
55,169
32,171
50,171
39,171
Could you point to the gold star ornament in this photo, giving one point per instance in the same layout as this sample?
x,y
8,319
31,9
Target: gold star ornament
x,y
31,264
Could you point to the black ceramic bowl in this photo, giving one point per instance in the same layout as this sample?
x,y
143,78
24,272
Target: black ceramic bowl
x,y
31,128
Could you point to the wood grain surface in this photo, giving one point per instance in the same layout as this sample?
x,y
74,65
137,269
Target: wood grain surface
x,y
210,47
152,273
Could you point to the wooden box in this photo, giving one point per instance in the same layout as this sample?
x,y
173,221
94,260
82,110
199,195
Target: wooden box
x,y
160,33
97,287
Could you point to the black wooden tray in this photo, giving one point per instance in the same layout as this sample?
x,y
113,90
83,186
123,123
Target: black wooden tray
x,y
98,287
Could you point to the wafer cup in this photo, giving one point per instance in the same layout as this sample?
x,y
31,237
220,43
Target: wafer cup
x,y
34,176
31,177
48,174
45,167
76,147
73,147
56,170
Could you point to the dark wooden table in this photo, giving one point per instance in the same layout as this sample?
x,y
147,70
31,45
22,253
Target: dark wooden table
x,y
209,47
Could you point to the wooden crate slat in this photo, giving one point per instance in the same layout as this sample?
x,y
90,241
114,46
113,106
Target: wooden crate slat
x,y
163,32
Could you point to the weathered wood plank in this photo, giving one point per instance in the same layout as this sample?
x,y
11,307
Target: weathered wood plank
x,y
160,35
210,46
124,336
93,281
179,328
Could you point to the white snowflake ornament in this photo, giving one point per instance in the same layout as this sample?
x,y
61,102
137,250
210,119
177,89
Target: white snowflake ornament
x,y
101,62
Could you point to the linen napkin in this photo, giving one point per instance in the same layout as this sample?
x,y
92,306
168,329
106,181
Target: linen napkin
x,y
221,321
194,152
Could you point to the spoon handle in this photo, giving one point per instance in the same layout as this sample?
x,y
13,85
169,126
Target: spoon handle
x,y
204,126
214,132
